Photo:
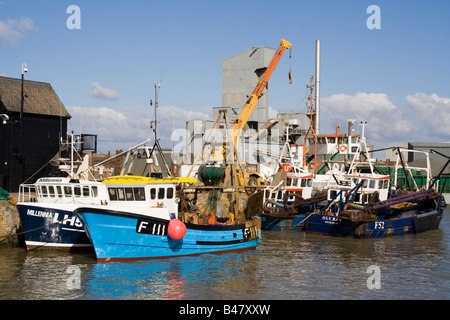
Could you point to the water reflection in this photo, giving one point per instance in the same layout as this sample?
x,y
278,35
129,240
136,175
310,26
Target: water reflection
x,y
210,276
286,265
36,275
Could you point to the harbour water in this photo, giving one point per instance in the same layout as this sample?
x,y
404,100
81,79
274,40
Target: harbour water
x,y
286,266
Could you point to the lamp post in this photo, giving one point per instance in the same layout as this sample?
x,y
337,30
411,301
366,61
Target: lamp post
x,y
24,70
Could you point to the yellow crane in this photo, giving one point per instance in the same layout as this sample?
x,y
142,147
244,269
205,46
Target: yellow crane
x,y
242,119
249,106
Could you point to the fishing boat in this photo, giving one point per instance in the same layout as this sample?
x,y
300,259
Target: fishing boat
x,y
413,213
46,212
141,220
295,192
287,200
365,208
46,207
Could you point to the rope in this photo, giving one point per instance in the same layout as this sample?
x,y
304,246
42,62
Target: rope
x,y
24,232
298,224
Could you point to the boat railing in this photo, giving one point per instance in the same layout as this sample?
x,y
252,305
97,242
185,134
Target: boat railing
x,y
27,193
269,191
340,199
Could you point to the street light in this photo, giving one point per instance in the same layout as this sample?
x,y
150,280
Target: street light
x,y
24,70
4,117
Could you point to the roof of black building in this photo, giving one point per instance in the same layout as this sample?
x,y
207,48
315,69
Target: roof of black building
x,y
39,97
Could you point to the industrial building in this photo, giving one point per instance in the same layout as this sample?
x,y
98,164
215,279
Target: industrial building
x,y
262,137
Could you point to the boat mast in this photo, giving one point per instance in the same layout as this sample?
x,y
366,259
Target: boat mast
x,y
156,145
156,111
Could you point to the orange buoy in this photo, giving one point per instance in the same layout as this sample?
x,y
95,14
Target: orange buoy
x,y
176,229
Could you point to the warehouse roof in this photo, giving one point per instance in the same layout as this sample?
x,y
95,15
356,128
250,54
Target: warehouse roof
x,y
39,97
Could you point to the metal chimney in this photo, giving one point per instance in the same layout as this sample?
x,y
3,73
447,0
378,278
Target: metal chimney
x,y
317,87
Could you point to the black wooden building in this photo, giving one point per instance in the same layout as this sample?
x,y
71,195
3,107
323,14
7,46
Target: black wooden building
x,y
28,139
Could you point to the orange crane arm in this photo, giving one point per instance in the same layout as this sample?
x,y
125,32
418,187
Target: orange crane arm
x,y
240,122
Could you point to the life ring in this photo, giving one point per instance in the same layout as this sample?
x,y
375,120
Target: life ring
x,y
342,148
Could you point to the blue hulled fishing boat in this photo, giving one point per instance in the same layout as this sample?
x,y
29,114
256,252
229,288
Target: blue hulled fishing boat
x,y
363,207
141,221
412,213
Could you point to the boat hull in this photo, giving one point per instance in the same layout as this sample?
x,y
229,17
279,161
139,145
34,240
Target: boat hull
x,y
47,227
343,227
125,236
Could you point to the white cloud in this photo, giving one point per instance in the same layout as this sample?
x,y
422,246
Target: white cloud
x,y
433,113
386,122
130,126
103,93
427,117
12,31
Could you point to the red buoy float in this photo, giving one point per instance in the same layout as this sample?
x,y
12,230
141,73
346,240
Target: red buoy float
x,y
176,229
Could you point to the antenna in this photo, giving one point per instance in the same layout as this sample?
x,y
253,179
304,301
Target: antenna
x,y
155,122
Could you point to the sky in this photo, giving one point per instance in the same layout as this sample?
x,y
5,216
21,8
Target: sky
x,y
388,67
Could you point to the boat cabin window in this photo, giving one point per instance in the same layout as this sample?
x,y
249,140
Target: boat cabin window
x,y
139,194
161,192
44,191
112,194
77,191
372,184
94,192
170,193
383,184
125,194
68,191
129,194
51,191
331,140
59,191
120,194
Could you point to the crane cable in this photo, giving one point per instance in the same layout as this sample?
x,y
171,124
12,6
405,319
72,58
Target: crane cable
x,y
290,66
